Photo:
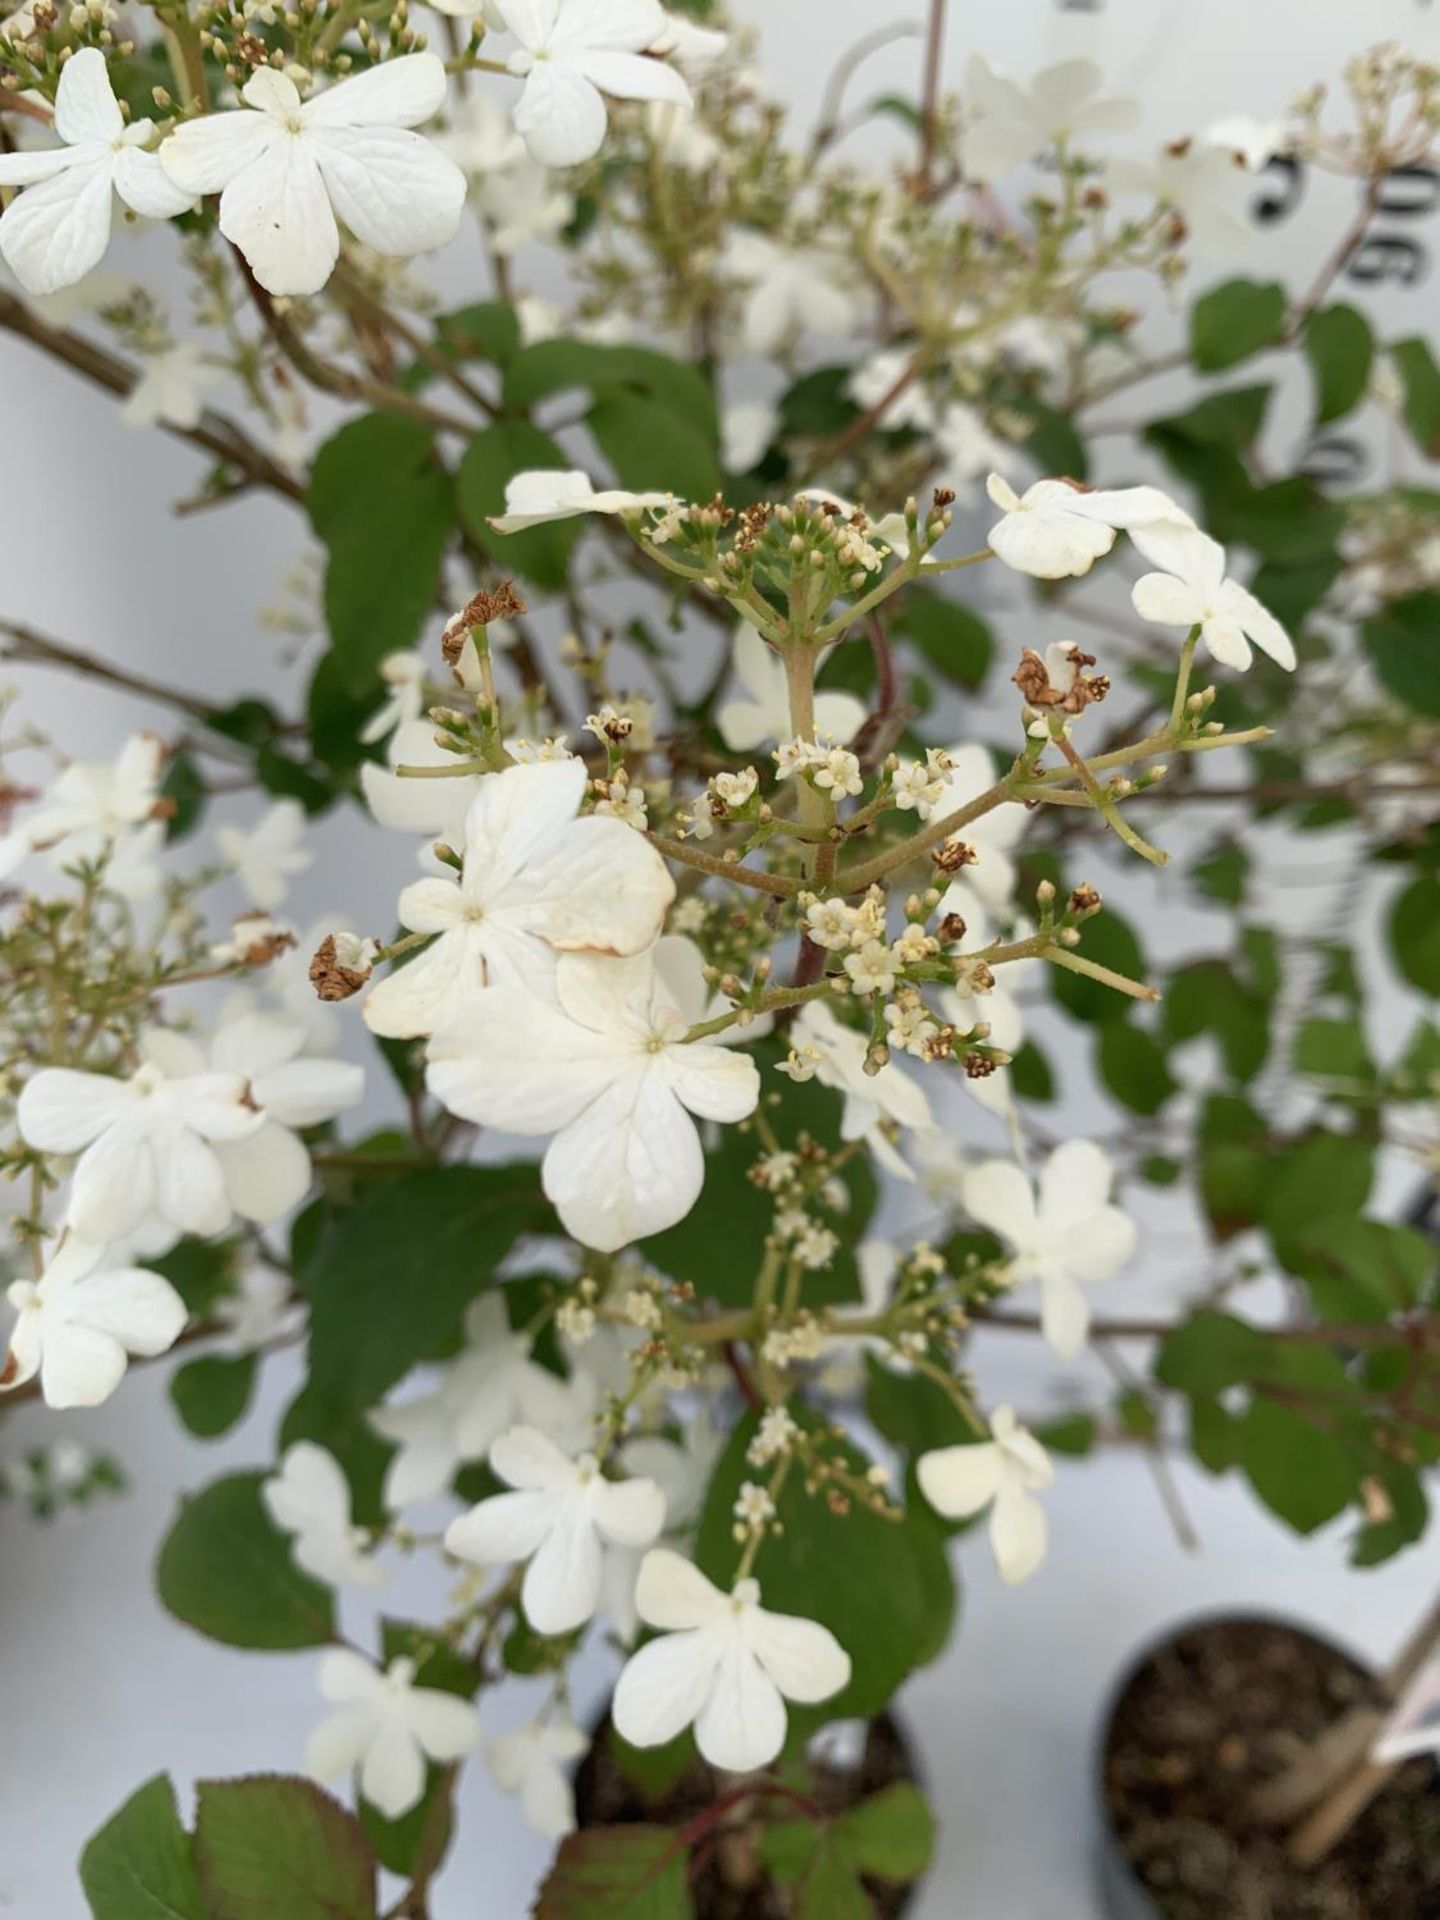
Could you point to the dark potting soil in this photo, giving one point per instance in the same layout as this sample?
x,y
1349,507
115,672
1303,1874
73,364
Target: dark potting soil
x,y
732,1883
1205,1722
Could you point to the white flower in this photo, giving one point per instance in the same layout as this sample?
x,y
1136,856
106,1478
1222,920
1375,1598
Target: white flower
x,y
284,169
747,428
534,499
561,1515
172,388
608,1073
1072,1238
95,809
1013,124
871,1099
147,1144
480,136
725,1664
260,1311
387,1727
535,1763
1204,185
790,292
1193,591
1255,143
967,448
1057,529
404,675
522,203
267,856
536,879
267,1173
59,228
572,53
680,1469
493,1385
82,1319
875,377
765,715
693,45
434,808
310,1500
1004,1474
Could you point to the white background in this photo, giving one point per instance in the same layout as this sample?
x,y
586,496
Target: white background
x,y
98,1690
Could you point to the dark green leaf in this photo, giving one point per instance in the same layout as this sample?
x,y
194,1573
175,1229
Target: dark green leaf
x,y
1133,1067
618,1873
1420,377
955,641
1303,1472
557,366
380,502
1110,942
487,331
891,1835
1211,1351
141,1865
1233,321
491,462
1403,643
652,448
212,1393
1328,1174
1341,350
277,1848
391,1284
226,1569
1415,933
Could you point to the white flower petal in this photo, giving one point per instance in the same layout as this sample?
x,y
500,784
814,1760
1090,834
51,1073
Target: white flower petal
x,y
395,190
1064,1314
1019,1533
630,1513
561,1588
1074,1181
86,109
630,1165
54,233
804,1659
664,1687
959,1481
397,93
277,212
508,1060
446,1726
999,1197
265,1176
61,1110
672,1593
506,1528
560,115
742,1724
204,156
145,187
392,1773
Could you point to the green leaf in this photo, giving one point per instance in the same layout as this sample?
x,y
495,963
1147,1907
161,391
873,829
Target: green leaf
x,y
1073,1434
277,1848
955,641
1303,1472
380,502
202,1272
618,1873
1333,1050
653,449
1134,1068
183,790
1414,930
1212,1351
556,366
811,1860
1111,942
390,1285
1403,643
911,1410
1358,1269
1341,350
491,462
891,1835
1233,321
225,1569
823,1567
818,406
1327,1174
211,1394
140,1865
489,330
1234,1166
1222,874
1420,377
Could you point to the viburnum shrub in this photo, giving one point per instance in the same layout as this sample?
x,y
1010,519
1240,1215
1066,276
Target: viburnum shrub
x,y
732,904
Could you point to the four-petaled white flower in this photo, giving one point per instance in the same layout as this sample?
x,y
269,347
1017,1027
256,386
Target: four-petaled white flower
x,y
1003,1473
871,1099
284,168
267,1173
172,388
1013,124
309,1498
606,1069
788,292
571,54
537,880
387,1727
267,856
765,715
100,810
82,1319
726,1665
494,1384
146,1144
535,1762
534,499
561,1516
1072,1238
1057,529
59,228
404,677
1193,591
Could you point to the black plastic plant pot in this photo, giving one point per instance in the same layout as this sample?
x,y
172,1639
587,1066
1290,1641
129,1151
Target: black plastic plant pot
x,y
1195,1728
852,1760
